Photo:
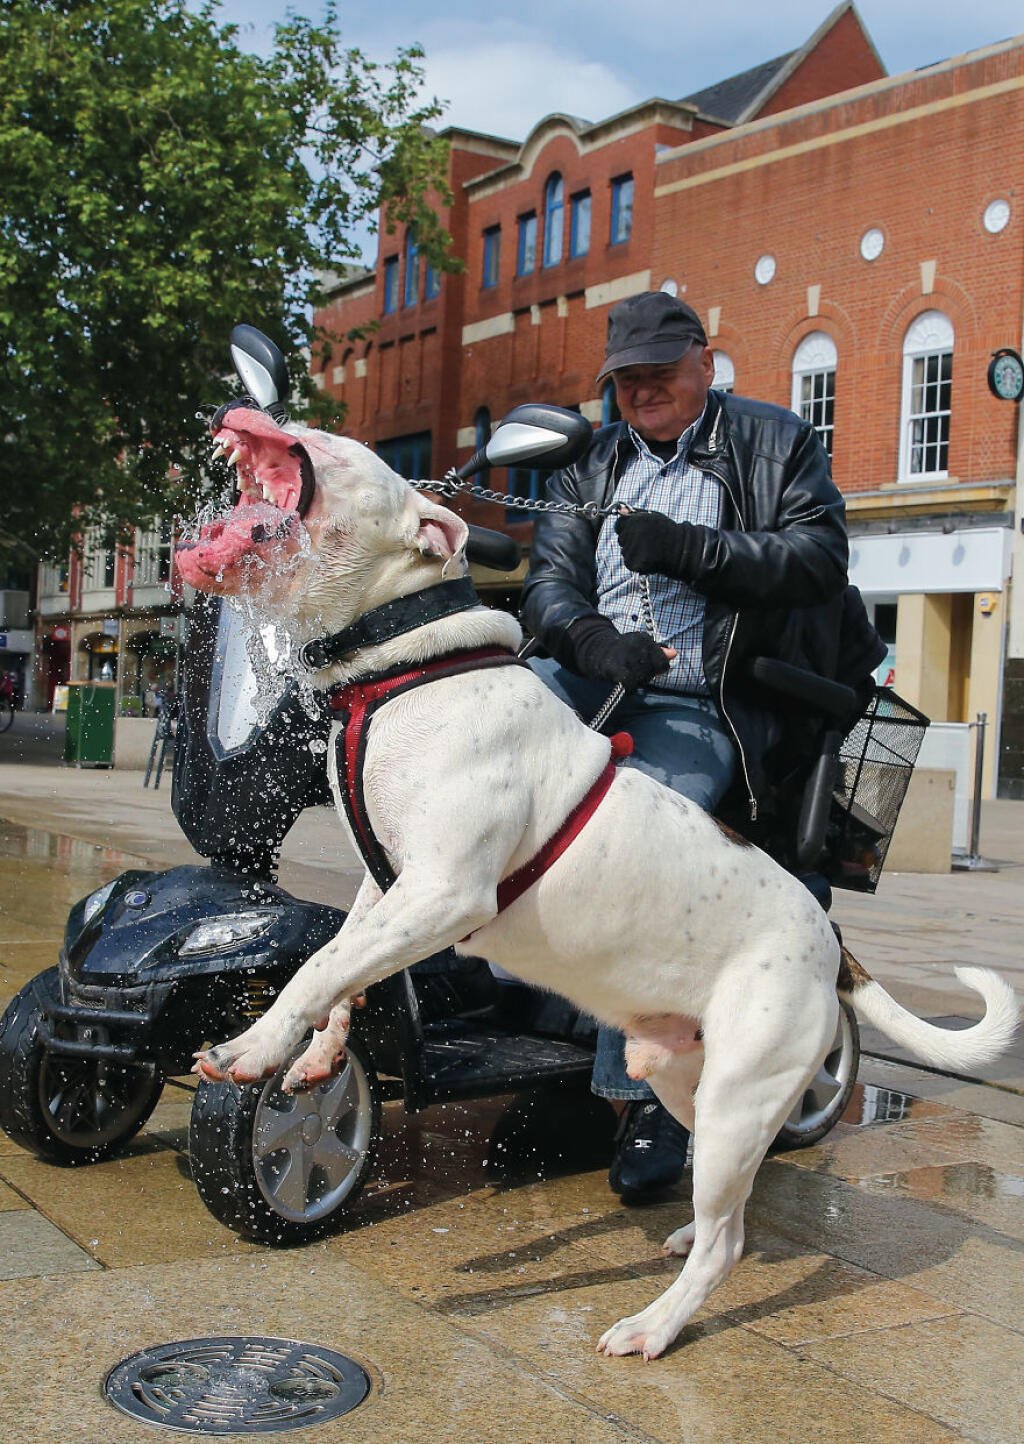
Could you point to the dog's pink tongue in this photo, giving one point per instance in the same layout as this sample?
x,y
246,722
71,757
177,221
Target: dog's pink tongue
x,y
223,544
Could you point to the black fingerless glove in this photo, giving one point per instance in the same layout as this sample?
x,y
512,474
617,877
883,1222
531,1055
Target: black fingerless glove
x,y
652,543
596,649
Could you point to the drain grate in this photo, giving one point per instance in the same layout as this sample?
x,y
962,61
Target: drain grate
x,y
236,1385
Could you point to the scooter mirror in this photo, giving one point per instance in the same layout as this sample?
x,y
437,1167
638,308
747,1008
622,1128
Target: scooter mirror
x,y
548,436
533,435
261,368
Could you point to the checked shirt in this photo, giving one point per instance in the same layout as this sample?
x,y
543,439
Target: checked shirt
x,y
684,493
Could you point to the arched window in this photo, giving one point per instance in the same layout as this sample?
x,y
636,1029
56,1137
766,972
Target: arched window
x,y
814,384
927,392
554,219
609,405
725,372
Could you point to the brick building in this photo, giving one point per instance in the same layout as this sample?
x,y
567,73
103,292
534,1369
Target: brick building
x,y
112,614
854,242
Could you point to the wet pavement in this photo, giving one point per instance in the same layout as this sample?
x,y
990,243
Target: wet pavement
x,y
881,1295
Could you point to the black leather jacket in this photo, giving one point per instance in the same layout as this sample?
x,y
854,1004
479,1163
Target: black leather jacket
x,y
773,572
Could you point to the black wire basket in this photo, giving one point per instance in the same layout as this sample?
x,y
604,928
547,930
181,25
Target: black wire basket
x,y
875,764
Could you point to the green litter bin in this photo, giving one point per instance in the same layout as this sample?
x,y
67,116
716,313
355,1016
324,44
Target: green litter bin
x,y
89,739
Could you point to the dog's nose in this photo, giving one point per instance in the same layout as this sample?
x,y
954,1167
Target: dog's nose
x,y
261,533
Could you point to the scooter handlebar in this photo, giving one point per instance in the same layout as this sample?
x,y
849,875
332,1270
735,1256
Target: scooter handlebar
x,y
492,549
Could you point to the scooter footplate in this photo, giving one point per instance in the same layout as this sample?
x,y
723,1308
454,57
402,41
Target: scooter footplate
x,y
485,1059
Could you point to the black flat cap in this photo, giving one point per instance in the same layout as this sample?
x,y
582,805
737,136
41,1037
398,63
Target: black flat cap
x,y
651,329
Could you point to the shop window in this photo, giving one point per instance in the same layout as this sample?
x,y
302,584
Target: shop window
x,y
149,673
725,372
579,225
554,220
492,258
927,394
622,210
814,384
390,285
526,250
101,650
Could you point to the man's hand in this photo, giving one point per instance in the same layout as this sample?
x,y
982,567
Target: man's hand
x,y
604,654
652,543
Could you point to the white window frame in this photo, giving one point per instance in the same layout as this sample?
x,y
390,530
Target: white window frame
x,y
929,336
97,559
815,361
725,372
150,548
53,579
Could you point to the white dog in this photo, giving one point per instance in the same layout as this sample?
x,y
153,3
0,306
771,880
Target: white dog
x,y
720,966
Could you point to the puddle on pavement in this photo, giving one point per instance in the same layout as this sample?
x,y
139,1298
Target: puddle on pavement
x,y
71,854
870,1104
953,1183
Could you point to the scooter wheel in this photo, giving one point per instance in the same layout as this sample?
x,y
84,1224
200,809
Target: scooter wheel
x,y
824,1100
283,1168
68,1110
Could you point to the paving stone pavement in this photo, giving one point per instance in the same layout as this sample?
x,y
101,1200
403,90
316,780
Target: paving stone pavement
x,y
881,1295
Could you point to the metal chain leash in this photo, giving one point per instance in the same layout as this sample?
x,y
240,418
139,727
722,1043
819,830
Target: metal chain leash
x,y
451,486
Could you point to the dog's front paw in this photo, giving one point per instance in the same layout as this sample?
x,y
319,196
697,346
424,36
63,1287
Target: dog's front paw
x,y
315,1065
249,1058
324,1056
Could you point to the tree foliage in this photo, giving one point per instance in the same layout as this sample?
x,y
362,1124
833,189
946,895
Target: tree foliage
x,y
159,184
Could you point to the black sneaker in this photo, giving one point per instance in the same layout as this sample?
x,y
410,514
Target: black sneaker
x,y
650,1152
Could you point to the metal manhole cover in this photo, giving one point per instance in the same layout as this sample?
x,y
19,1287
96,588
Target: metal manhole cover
x,y
236,1385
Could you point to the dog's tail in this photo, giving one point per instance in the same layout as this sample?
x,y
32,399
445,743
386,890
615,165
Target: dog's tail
x,y
956,1049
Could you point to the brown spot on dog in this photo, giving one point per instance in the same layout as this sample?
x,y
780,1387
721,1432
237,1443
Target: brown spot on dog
x,y
731,835
851,975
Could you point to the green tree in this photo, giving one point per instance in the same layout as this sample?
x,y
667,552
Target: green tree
x,y
157,185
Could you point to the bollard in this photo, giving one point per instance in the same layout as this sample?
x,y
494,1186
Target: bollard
x,y
973,861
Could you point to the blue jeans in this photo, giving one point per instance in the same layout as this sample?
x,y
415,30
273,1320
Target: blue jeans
x,y
677,740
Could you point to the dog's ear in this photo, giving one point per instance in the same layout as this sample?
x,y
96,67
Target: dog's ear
x,y
440,534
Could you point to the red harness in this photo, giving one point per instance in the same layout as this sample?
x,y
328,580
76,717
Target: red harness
x,y
356,702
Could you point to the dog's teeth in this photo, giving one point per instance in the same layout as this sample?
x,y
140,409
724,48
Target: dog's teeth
x,y
235,457
220,449
267,494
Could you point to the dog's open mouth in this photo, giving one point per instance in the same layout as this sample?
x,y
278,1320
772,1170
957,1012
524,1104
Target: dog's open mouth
x,y
275,492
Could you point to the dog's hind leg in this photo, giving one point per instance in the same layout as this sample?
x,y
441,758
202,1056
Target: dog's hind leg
x,y
740,1104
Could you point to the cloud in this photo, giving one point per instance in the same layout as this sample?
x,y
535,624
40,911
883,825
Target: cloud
x,y
504,87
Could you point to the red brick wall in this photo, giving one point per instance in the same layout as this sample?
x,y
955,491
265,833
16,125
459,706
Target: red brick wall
x,y
909,157
925,183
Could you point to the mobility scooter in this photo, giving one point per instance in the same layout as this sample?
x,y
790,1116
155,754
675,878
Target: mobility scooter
x,y
156,964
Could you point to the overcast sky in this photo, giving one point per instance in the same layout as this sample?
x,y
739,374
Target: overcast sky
x,y
591,58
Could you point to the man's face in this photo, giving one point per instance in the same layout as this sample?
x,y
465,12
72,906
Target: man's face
x,y
660,402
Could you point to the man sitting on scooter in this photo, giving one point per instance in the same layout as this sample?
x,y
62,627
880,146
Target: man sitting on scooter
x,y
730,514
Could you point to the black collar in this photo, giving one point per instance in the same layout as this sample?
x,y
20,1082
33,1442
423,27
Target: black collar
x,y
393,619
